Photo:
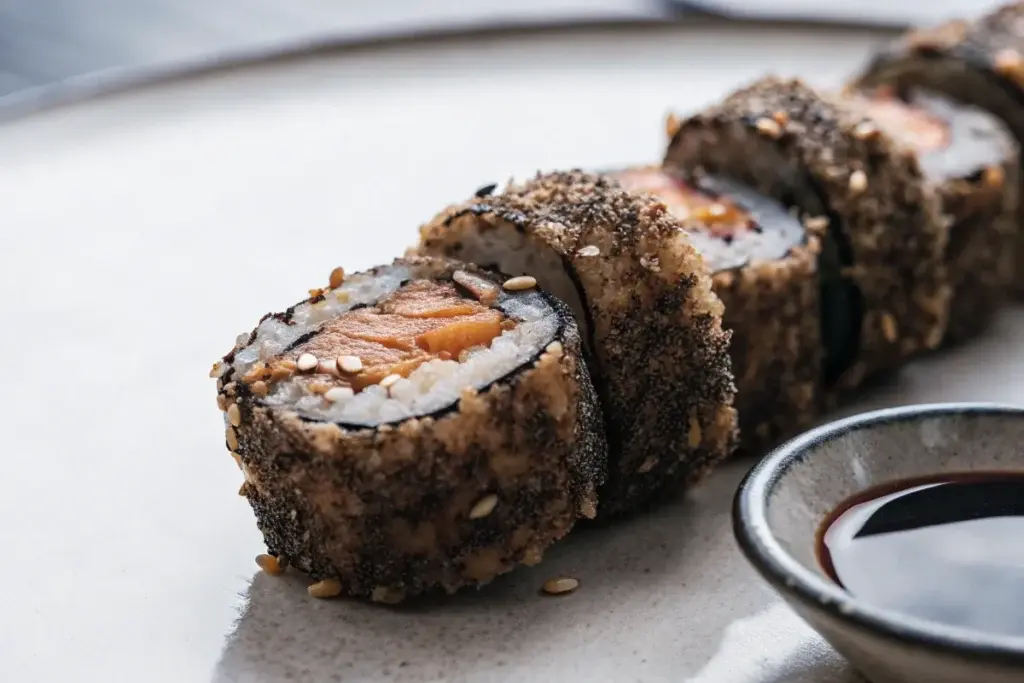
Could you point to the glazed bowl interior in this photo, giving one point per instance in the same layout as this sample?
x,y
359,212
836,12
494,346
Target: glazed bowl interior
x,y
785,498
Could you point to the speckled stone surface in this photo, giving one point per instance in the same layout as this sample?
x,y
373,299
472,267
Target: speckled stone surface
x,y
141,233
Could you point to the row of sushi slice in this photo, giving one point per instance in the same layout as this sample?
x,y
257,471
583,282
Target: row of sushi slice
x,y
582,344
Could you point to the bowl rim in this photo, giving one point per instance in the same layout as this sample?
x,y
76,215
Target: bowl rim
x,y
791,578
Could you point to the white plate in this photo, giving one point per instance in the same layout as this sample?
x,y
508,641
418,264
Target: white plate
x,y
140,233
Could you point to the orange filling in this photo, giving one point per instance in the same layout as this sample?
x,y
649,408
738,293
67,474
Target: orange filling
x,y
422,321
719,216
913,126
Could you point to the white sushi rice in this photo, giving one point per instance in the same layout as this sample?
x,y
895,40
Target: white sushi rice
x,y
429,388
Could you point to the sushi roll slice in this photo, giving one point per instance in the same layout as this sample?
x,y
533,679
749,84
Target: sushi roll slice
x,y
642,296
971,162
421,425
764,263
979,63
884,295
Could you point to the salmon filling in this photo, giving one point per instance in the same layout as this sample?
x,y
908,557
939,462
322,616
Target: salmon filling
x,y
718,216
422,321
910,125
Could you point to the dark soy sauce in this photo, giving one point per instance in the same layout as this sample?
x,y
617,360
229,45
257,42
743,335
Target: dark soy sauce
x,y
947,549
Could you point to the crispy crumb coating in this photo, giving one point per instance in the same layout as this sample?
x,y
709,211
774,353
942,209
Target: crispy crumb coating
x,y
643,297
442,501
884,224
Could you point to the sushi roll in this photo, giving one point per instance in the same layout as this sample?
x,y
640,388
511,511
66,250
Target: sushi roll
x,y
979,63
764,264
971,162
642,296
423,425
884,295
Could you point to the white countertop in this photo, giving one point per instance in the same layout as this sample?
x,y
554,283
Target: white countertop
x,y
142,232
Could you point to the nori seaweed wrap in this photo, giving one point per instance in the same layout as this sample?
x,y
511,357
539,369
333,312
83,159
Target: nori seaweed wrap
x,y
884,291
421,425
971,162
979,63
642,296
764,264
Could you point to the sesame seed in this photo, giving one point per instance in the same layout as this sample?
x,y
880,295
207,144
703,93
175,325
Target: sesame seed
x,y
588,509
389,380
865,130
222,402
328,366
234,415
484,506
269,564
589,250
259,388
518,284
695,435
280,372
288,365
316,292
318,387
337,278
1009,63
561,585
816,223
243,490
889,328
858,182
768,127
339,394
994,176
307,362
555,348
232,438
672,124
350,364
781,117
328,588
217,369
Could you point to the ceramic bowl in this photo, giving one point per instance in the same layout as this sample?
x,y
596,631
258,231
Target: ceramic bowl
x,y
785,498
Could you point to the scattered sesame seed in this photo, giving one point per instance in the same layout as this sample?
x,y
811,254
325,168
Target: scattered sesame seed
x,y
484,506
217,369
994,176
389,380
337,278
318,387
889,328
222,402
259,388
269,564
327,366
234,415
768,127
280,372
555,348
243,490
316,292
588,508
858,182
589,250
328,588
518,284
1009,63
865,130
307,362
350,364
288,364
816,223
561,585
339,394
695,436
232,438
672,124
780,117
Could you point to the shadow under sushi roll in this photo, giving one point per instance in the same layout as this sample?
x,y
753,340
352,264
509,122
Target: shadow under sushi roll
x,y
971,162
764,262
884,294
421,425
643,298
979,63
